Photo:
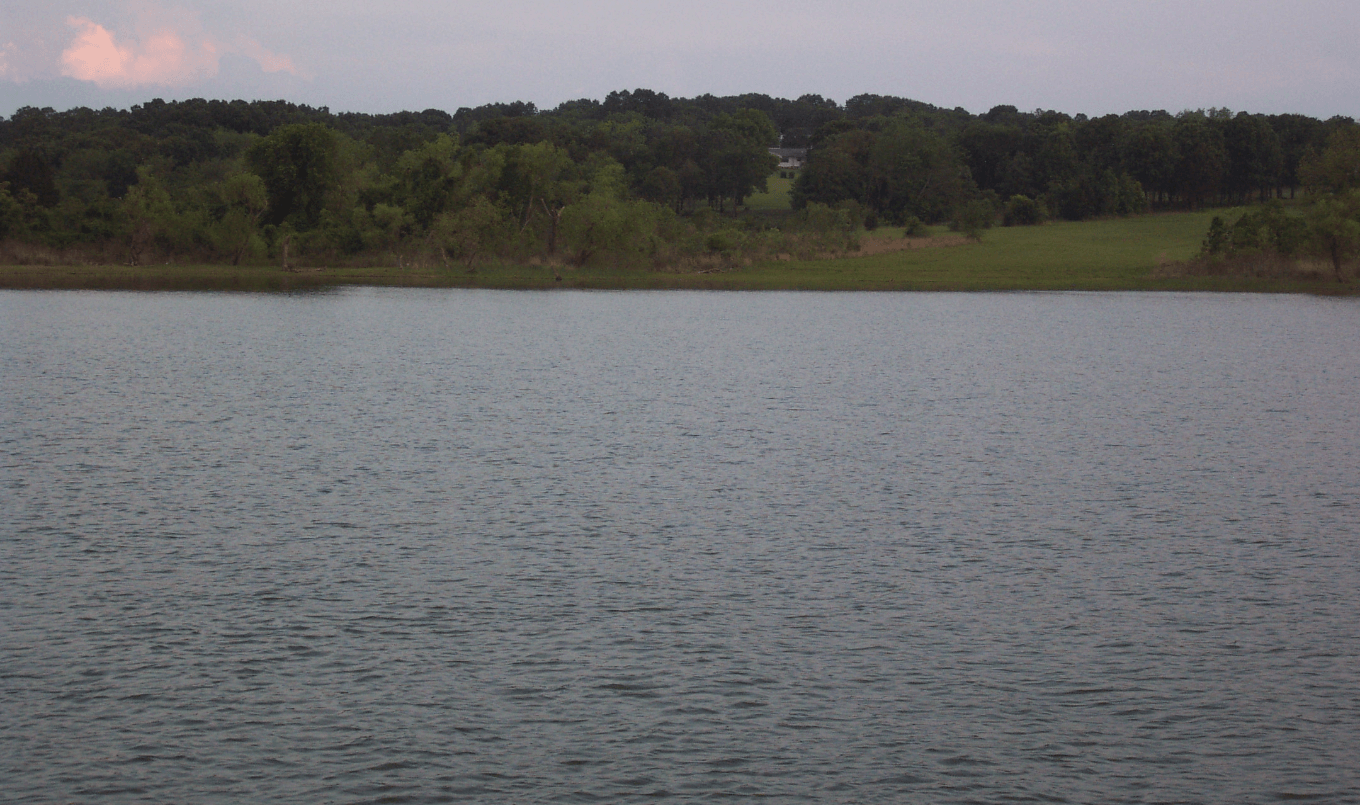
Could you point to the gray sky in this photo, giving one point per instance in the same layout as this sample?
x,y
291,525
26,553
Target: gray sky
x,y
1095,56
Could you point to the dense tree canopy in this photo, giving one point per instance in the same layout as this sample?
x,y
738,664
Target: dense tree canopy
x,y
220,180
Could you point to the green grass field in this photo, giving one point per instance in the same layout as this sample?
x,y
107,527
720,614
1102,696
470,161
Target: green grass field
x,y
1109,255
776,195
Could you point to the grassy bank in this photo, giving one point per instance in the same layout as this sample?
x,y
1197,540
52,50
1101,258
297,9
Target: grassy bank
x,y
1110,255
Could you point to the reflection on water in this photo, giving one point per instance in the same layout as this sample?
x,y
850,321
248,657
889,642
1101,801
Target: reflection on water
x,y
419,546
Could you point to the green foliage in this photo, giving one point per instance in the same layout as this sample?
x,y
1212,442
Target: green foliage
x,y
385,226
1217,240
739,162
1254,156
662,185
1334,224
972,218
913,171
469,233
28,170
430,177
11,214
1109,254
1270,229
149,216
1088,195
1329,228
1337,168
356,188
828,229
1201,159
913,227
900,170
1023,211
298,166
603,226
244,200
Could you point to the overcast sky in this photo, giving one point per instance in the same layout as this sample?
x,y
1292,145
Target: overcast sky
x,y
1092,56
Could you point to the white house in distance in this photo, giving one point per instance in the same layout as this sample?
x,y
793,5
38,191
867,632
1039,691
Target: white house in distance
x,y
790,157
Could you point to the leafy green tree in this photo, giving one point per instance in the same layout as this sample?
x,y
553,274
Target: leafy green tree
x,y
1255,158
1055,159
1334,222
739,161
1023,211
539,177
901,171
1098,142
989,148
913,171
1337,168
11,213
662,185
298,165
1297,135
602,224
149,215
28,170
430,176
1090,194
471,232
1150,157
972,218
1218,238
1201,158
837,170
827,229
386,227
245,199
1269,228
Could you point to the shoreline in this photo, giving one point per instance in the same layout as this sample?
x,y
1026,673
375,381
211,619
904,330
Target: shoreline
x,y
764,277
1116,254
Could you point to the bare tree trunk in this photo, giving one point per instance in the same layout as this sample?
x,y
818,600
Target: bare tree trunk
x,y
287,241
528,209
555,216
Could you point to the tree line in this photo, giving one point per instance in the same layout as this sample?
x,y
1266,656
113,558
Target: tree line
x,y
637,178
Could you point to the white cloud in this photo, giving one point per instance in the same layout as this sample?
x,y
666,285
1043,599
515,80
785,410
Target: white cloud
x,y
168,55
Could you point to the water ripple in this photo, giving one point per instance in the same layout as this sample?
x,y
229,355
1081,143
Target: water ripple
x,y
425,546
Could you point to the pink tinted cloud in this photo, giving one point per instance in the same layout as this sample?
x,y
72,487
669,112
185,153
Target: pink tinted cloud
x,y
269,62
165,57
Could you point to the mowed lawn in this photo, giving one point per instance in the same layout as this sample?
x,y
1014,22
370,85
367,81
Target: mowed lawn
x,y
776,195
1114,254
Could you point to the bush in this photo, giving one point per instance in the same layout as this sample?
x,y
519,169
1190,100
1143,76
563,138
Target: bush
x,y
723,241
828,229
1023,211
1216,239
972,217
913,227
1269,229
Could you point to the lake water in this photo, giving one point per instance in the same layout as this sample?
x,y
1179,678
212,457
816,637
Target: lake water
x,y
425,546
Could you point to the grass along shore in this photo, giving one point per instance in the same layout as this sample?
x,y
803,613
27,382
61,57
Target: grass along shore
x,y
1125,254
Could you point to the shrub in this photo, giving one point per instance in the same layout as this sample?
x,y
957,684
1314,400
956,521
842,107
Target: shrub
x,y
1023,211
972,217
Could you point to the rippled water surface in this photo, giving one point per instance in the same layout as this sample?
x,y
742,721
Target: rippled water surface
x,y
422,546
